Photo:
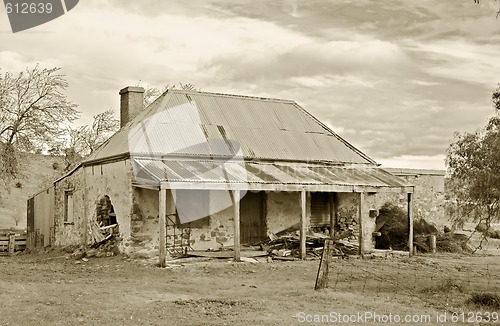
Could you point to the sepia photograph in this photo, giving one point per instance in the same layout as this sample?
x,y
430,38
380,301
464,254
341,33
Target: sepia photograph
x,y
236,162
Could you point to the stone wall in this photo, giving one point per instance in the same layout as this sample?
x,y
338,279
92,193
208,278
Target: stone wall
x,y
137,212
88,185
213,232
69,232
428,197
348,216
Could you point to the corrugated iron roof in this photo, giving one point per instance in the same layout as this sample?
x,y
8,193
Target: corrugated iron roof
x,y
198,124
149,171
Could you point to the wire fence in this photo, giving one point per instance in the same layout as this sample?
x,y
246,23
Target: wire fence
x,y
422,279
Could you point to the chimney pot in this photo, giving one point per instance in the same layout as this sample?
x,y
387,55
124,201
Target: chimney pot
x,y
131,103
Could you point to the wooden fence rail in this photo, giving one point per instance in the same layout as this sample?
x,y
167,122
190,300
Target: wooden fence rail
x,y
10,243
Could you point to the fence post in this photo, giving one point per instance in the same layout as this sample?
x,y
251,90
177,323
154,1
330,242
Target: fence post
x,y
432,240
30,241
12,243
322,277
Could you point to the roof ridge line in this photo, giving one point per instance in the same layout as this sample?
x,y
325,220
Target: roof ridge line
x,y
272,99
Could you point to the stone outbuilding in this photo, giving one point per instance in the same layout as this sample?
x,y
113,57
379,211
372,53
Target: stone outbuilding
x,y
428,196
197,170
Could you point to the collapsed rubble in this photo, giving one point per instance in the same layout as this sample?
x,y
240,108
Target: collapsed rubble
x,y
287,244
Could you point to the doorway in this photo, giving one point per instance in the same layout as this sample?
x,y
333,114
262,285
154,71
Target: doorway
x,y
252,218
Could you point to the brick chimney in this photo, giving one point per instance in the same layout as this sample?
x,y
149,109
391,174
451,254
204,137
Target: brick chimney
x,y
131,103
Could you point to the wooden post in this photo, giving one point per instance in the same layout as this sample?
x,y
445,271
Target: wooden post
x,y
432,243
162,215
332,203
303,224
361,211
86,228
237,240
12,243
410,225
322,278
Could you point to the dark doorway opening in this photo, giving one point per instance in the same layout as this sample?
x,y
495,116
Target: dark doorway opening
x,y
252,218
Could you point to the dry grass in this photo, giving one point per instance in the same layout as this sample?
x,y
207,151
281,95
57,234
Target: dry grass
x,y
50,289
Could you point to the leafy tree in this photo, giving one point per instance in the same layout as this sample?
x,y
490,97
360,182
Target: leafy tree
x,y
495,99
473,161
33,110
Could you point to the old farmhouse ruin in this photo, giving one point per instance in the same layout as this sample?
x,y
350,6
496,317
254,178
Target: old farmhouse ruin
x,y
198,170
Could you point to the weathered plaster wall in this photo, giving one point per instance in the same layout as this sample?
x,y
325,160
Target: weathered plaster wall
x,y
88,185
211,232
71,232
348,216
114,180
283,210
368,227
144,223
428,197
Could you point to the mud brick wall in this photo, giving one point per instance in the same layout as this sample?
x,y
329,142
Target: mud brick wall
x,y
429,196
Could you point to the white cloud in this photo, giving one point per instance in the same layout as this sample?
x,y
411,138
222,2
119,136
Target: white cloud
x,y
395,78
461,59
412,161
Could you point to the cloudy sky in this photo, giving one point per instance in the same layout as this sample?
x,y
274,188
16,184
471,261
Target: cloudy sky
x,y
395,78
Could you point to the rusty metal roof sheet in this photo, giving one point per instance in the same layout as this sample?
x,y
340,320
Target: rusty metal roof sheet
x,y
152,171
206,125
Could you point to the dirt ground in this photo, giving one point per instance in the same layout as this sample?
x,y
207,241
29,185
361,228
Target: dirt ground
x,y
52,289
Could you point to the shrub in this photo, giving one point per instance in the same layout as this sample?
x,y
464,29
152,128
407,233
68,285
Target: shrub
x,y
394,232
487,300
395,228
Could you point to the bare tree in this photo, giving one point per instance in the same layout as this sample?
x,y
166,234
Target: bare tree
x,y
17,218
152,93
478,1
33,112
83,141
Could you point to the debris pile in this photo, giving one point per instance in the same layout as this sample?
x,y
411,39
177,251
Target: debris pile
x,y
100,234
103,241
286,244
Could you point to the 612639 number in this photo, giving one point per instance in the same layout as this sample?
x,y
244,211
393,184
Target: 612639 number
x,y
475,317
29,8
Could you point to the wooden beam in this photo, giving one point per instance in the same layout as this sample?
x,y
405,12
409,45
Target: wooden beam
x,y
86,228
333,205
303,224
279,187
361,213
237,240
410,224
162,225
